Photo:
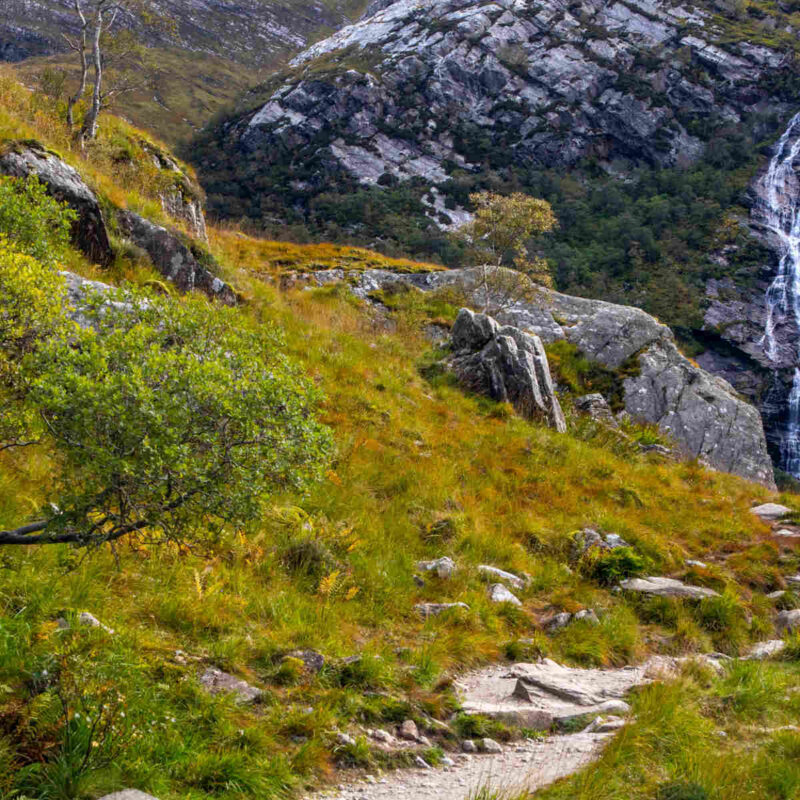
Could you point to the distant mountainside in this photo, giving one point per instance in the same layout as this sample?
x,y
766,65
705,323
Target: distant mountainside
x,y
252,32
217,50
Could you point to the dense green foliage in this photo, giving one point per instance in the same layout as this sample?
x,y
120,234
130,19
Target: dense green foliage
x,y
162,416
37,224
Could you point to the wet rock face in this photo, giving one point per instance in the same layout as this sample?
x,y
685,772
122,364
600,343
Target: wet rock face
x,y
89,233
700,412
418,89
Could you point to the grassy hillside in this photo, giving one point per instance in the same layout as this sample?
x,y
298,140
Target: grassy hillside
x,y
421,470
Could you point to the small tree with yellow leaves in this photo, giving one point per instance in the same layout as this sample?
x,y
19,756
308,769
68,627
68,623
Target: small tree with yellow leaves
x,y
500,235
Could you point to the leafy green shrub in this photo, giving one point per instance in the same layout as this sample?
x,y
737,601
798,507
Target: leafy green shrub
x,y
37,224
609,567
167,419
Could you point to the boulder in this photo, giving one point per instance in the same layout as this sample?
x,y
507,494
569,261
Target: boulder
x,y
494,572
312,660
408,731
588,538
596,407
89,233
764,650
499,594
215,681
558,622
506,364
426,610
444,567
181,198
487,745
174,257
666,587
788,621
770,512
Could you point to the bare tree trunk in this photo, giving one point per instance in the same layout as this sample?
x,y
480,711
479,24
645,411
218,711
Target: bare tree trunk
x,y
89,130
80,48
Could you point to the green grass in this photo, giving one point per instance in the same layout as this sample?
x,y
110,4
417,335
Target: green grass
x,y
422,469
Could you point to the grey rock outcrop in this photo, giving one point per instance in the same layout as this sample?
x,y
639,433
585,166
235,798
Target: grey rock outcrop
x,y
701,413
505,364
128,794
172,255
89,233
181,197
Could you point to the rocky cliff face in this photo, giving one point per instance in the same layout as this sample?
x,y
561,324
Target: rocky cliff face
x,y
246,31
425,91
701,413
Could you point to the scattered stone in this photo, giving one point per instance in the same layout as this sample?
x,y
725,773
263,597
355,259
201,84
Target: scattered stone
x,y
344,739
776,595
697,564
770,512
426,610
86,619
764,650
514,580
446,761
408,731
595,406
489,746
421,762
605,724
384,737
587,615
788,621
444,567
506,364
793,581
666,587
419,581
128,794
785,533
588,538
312,660
558,622
215,681
499,594
468,746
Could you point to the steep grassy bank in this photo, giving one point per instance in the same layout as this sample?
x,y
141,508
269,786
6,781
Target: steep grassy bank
x,y
421,470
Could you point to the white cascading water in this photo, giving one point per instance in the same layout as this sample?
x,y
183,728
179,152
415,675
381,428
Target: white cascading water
x,y
781,215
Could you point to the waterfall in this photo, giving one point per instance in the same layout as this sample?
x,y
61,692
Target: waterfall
x,y
779,210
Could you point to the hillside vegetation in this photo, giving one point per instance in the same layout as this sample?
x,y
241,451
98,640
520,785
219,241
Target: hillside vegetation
x,y
420,469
